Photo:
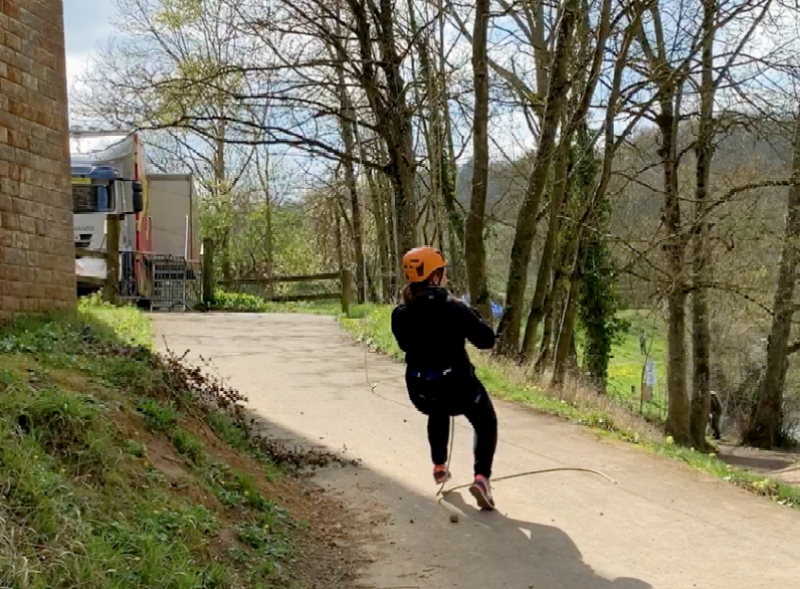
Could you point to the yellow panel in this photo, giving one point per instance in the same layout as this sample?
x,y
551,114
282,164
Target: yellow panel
x,y
83,181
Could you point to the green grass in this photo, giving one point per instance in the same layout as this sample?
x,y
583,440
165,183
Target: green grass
x,y
158,416
82,401
189,445
610,415
627,363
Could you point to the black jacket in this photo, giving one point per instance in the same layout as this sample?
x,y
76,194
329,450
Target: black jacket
x,y
434,329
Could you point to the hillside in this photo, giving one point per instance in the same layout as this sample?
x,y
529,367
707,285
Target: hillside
x,y
120,468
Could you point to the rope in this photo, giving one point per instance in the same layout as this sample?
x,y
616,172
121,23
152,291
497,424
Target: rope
x,y
529,473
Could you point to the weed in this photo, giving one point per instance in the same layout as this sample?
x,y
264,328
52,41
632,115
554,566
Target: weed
x,y
60,421
264,539
228,430
158,417
188,445
246,486
155,477
134,448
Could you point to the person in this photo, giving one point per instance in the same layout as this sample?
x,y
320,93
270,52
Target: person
x,y
432,328
715,415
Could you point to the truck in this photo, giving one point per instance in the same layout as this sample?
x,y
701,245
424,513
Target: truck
x,y
158,237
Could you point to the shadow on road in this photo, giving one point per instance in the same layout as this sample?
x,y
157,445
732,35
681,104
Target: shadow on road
x,y
417,548
550,557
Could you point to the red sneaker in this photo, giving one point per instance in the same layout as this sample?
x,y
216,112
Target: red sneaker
x,y
482,491
440,474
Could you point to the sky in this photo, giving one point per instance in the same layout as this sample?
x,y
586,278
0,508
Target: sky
x,y
87,24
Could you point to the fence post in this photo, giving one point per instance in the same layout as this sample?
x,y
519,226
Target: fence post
x,y
345,291
111,289
208,271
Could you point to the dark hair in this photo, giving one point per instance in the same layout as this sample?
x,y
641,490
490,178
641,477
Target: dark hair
x,y
412,290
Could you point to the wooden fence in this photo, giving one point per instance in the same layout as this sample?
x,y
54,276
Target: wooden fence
x,y
209,283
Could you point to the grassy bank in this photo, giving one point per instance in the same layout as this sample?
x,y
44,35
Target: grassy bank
x,y
605,413
116,473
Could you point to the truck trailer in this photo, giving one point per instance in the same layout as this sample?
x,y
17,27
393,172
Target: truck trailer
x,y
158,241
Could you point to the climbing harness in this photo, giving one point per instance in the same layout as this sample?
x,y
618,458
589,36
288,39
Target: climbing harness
x,y
442,492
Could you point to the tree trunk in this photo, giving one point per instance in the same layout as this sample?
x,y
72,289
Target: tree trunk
x,y
475,247
545,274
552,306
509,328
455,217
447,166
387,100
679,410
704,150
567,329
349,140
402,165
222,193
382,231
767,415
268,241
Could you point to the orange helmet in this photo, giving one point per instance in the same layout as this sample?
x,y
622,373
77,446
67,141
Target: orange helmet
x,y
421,262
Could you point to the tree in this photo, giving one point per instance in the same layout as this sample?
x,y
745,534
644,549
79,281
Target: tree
x,y
558,90
704,150
765,423
474,245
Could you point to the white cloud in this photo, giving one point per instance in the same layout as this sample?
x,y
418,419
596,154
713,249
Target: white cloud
x,y
87,24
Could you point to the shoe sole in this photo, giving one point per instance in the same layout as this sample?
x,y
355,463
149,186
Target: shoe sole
x,y
444,480
483,501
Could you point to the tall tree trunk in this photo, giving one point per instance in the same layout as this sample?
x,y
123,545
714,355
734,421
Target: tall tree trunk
x,y
395,253
264,177
675,247
704,150
382,236
401,164
447,165
349,140
475,247
339,245
387,98
767,415
222,193
545,274
383,227
509,328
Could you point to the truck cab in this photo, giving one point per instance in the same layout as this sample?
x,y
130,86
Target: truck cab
x,y
93,197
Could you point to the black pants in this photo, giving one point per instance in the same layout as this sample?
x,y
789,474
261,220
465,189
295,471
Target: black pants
x,y
461,396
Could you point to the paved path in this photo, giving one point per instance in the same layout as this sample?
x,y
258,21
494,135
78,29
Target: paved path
x,y
663,526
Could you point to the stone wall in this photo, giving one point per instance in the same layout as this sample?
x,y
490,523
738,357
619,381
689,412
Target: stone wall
x,y
37,261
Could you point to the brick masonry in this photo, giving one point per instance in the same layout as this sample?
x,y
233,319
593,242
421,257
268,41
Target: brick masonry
x,y
37,256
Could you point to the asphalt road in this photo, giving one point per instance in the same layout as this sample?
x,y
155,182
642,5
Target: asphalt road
x,y
662,526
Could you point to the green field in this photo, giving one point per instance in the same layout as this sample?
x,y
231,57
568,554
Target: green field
x,y
627,363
